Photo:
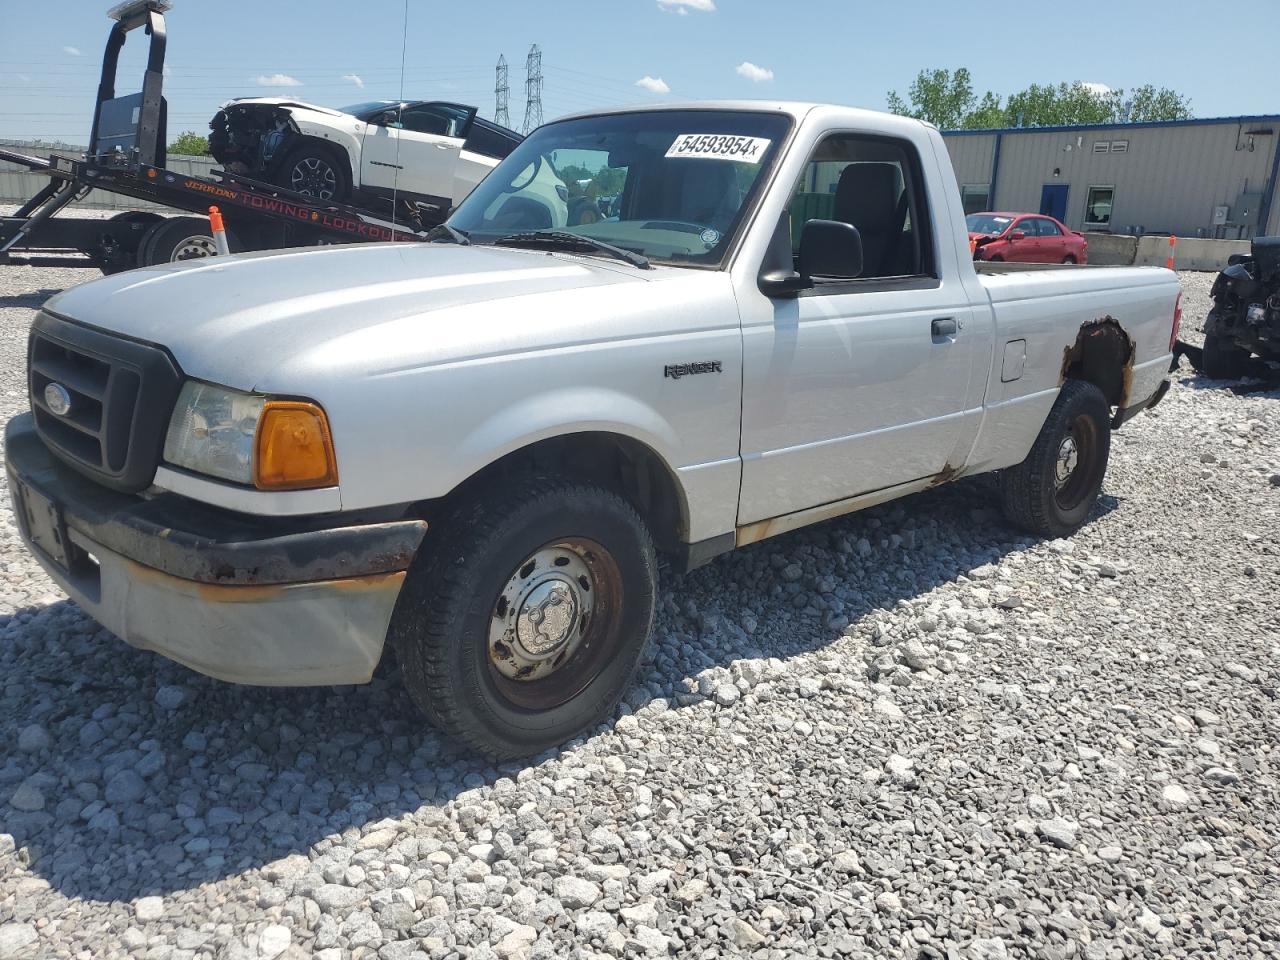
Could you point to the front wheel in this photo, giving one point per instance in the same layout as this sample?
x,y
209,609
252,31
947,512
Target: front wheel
x,y
522,622
315,171
1052,491
1222,358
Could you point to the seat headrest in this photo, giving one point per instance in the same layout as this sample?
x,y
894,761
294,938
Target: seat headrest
x,y
867,196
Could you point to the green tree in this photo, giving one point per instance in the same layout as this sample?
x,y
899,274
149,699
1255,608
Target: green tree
x,y
939,96
946,99
1147,103
1065,104
190,144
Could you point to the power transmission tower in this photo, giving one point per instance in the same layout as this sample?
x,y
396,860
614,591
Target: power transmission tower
x,y
533,90
502,91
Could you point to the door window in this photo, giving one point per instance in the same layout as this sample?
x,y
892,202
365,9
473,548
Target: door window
x,y
435,118
875,184
1097,209
1028,227
1048,228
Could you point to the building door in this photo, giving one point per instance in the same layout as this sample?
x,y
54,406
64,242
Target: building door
x,y
1053,200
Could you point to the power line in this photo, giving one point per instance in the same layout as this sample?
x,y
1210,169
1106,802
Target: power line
x,y
533,90
502,94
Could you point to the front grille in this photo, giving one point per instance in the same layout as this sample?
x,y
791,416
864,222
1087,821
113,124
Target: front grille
x,y
122,393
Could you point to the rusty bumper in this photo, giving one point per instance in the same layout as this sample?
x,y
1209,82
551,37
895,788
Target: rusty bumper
x,y
267,601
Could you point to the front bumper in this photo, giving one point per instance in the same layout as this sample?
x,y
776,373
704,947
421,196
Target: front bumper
x,y
265,601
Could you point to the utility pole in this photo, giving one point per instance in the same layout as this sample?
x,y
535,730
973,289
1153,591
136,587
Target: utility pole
x,y
502,93
533,90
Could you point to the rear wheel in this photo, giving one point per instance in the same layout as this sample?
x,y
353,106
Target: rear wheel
x,y
123,255
177,239
1052,491
1223,358
521,623
316,171
1069,258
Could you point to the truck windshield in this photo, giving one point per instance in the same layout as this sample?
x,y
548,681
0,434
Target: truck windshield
x,y
670,185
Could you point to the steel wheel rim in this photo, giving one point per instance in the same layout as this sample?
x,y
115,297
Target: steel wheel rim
x,y
549,630
1075,463
313,177
194,248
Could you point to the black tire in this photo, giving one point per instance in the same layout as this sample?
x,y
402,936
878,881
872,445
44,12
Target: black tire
x,y
1034,494
179,238
1223,358
316,171
456,626
1069,259
125,255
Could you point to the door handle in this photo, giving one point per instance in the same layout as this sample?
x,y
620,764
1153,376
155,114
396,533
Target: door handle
x,y
444,146
944,327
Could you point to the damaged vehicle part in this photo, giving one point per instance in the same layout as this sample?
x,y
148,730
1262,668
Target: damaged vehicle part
x,y
1244,321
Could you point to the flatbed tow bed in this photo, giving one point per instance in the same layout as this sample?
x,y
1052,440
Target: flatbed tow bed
x,y
126,157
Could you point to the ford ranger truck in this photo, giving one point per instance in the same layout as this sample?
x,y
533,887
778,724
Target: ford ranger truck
x,y
470,454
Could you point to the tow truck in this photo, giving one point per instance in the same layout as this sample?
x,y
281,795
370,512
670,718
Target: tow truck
x,y
126,156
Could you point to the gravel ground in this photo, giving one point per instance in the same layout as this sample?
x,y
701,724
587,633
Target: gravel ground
x,y
908,733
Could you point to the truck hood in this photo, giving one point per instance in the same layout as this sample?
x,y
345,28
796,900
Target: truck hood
x,y
231,320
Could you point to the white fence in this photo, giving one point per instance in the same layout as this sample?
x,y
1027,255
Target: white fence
x,y
18,184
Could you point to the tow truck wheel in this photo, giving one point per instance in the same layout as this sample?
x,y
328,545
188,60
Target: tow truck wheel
x,y
1223,359
1052,491
118,257
315,171
522,621
176,239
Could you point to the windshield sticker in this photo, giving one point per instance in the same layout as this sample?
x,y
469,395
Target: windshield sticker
x,y
710,237
716,146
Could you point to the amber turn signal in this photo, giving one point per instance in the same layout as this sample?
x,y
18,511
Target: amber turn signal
x,y
294,450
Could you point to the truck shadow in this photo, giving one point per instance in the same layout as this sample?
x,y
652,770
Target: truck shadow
x,y
158,780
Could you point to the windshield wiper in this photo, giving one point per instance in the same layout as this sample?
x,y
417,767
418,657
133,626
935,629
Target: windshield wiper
x,y
570,241
453,233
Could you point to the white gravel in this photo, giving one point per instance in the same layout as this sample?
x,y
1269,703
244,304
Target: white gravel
x,y
910,733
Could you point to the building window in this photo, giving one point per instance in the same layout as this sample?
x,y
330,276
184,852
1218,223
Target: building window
x,y
975,198
1097,209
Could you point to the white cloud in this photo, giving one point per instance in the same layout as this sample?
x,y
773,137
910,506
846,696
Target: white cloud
x,y
71,51
354,78
1097,89
683,7
653,84
279,80
753,73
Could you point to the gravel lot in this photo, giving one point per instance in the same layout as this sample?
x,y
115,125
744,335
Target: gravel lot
x,y
909,733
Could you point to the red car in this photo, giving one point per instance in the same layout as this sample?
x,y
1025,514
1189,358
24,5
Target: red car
x,y
1024,238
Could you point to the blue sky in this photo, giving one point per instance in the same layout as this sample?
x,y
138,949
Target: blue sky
x,y
594,52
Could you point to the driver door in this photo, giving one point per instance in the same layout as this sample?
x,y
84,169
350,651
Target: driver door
x,y
416,151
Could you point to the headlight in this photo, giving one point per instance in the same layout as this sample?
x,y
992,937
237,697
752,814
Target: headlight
x,y
250,439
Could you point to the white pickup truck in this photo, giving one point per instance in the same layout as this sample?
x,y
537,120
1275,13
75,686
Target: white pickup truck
x,y
273,467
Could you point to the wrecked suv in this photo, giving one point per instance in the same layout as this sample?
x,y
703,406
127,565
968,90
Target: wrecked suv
x,y
1245,318
471,454
422,151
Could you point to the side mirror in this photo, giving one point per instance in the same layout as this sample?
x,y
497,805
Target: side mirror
x,y
1017,235
778,278
830,248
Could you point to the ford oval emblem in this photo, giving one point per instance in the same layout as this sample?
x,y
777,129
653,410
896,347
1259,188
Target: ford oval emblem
x,y
58,399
